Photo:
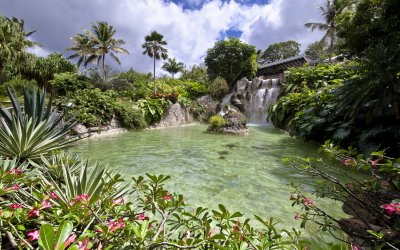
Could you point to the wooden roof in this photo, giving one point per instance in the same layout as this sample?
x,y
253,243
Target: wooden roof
x,y
280,66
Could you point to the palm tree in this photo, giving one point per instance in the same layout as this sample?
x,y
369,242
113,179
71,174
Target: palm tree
x,y
13,43
153,47
102,42
172,66
81,48
329,13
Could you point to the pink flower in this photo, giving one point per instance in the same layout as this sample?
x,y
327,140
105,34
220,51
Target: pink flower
x,y
141,216
82,198
297,216
121,223
392,208
33,213
15,206
308,202
113,225
119,201
82,245
211,232
347,162
70,240
33,235
14,188
374,163
45,204
16,171
355,247
167,197
187,234
54,196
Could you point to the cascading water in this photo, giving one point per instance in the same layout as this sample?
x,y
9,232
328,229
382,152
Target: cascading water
x,y
260,95
225,102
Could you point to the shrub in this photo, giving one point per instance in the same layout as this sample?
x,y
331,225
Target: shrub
x,y
34,129
152,109
91,107
130,116
18,84
92,209
216,121
64,83
218,87
372,199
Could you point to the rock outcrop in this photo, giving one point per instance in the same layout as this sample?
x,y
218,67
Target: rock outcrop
x,y
211,106
175,116
235,123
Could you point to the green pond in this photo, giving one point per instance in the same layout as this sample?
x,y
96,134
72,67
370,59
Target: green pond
x,y
246,173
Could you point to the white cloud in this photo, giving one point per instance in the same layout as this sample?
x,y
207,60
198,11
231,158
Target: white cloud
x,y
189,32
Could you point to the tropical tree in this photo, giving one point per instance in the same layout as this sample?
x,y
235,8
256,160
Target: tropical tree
x,y
153,47
329,14
101,43
315,50
231,59
172,66
280,51
13,43
82,49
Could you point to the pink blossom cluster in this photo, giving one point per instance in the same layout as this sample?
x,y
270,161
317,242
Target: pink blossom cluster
x,y
392,208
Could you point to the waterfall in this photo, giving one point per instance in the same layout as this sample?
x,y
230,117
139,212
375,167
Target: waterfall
x,y
224,102
260,95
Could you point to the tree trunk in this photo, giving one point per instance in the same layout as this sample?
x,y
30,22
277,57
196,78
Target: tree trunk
x,y
154,75
104,69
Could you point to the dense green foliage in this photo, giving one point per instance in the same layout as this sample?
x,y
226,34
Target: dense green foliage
x,y
68,82
216,121
33,129
231,59
219,87
280,51
196,73
372,200
13,44
316,51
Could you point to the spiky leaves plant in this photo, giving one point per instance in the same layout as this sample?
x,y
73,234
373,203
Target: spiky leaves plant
x,y
92,184
35,129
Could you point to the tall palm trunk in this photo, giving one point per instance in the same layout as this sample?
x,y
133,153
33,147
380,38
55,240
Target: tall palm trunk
x,y
103,64
154,75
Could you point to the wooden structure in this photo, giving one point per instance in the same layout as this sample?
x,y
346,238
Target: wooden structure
x,y
276,69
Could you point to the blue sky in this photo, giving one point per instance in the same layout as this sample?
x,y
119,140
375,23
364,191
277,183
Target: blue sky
x,y
197,4
190,27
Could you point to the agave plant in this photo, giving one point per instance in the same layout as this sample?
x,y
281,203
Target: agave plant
x,y
34,129
59,160
93,183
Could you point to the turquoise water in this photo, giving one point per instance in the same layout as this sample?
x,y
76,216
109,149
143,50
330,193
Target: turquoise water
x,y
245,173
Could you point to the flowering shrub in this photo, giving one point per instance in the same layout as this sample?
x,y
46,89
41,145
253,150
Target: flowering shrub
x,y
92,210
373,201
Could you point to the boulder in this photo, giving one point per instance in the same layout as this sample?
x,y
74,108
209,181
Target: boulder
x,y
235,123
237,101
175,116
79,129
242,84
255,84
209,104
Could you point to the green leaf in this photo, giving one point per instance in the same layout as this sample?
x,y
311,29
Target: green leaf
x,y
46,240
63,232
